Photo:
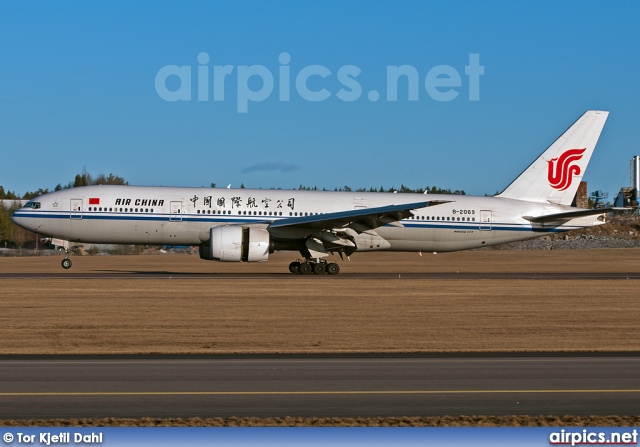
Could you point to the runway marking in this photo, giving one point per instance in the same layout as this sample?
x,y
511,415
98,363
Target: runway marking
x,y
300,393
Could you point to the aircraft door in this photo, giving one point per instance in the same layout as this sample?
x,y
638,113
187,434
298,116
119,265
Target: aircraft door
x,y
76,209
485,219
176,211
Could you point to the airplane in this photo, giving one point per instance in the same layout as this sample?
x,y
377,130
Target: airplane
x,y
246,225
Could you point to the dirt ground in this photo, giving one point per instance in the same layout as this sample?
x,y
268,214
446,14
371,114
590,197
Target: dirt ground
x,y
403,421
310,314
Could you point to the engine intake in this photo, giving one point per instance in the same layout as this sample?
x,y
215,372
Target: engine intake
x,y
235,243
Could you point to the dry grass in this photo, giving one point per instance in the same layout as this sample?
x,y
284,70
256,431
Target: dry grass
x,y
486,260
293,314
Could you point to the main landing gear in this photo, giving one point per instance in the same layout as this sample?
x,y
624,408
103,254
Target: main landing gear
x,y
317,268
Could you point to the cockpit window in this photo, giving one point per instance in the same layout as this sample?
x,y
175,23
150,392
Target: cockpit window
x,y
34,205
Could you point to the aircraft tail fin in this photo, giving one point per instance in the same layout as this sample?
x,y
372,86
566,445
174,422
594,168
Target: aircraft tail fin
x,y
555,175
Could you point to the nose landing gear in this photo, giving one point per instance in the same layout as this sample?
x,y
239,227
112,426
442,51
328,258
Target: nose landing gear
x,y
66,262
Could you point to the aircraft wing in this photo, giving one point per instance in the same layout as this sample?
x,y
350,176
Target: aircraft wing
x,y
570,215
359,220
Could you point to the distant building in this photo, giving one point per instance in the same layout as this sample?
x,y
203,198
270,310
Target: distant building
x,y
9,203
626,198
630,196
581,200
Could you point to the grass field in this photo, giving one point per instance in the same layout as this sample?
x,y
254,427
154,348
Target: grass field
x,y
299,314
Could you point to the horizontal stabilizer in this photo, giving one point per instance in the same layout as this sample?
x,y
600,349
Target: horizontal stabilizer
x,y
570,215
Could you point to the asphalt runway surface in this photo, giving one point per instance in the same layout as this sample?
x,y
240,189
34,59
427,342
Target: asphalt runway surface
x,y
261,276
330,386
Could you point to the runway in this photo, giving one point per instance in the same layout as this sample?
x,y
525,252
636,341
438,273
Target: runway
x,y
341,386
120,275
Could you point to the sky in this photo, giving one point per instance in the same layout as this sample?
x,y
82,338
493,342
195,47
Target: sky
x,y
286,93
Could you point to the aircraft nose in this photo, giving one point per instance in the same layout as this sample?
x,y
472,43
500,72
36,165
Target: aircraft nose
x,y
16,219
20,220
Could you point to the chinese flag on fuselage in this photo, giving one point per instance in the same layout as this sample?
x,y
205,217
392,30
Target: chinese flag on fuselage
x,y
94,201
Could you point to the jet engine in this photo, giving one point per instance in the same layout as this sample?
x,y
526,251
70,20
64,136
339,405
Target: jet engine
x,y
235,243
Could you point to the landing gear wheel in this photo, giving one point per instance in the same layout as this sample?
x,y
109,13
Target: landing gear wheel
x,y
305,268
66,263
333,268
320,268
294,267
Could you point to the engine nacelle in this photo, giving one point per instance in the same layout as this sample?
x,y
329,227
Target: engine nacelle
x,y
235,243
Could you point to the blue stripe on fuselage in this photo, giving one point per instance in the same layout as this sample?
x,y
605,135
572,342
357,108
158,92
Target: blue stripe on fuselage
x,y
85,215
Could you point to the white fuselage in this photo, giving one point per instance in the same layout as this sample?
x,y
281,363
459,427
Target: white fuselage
x,y
184,216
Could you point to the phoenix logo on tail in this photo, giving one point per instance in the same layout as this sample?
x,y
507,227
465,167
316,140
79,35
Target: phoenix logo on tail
x,y
561,169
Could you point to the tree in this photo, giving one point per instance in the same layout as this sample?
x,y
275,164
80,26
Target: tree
x,y
81,180
5,223
17,235
9,195
31,194
111,179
